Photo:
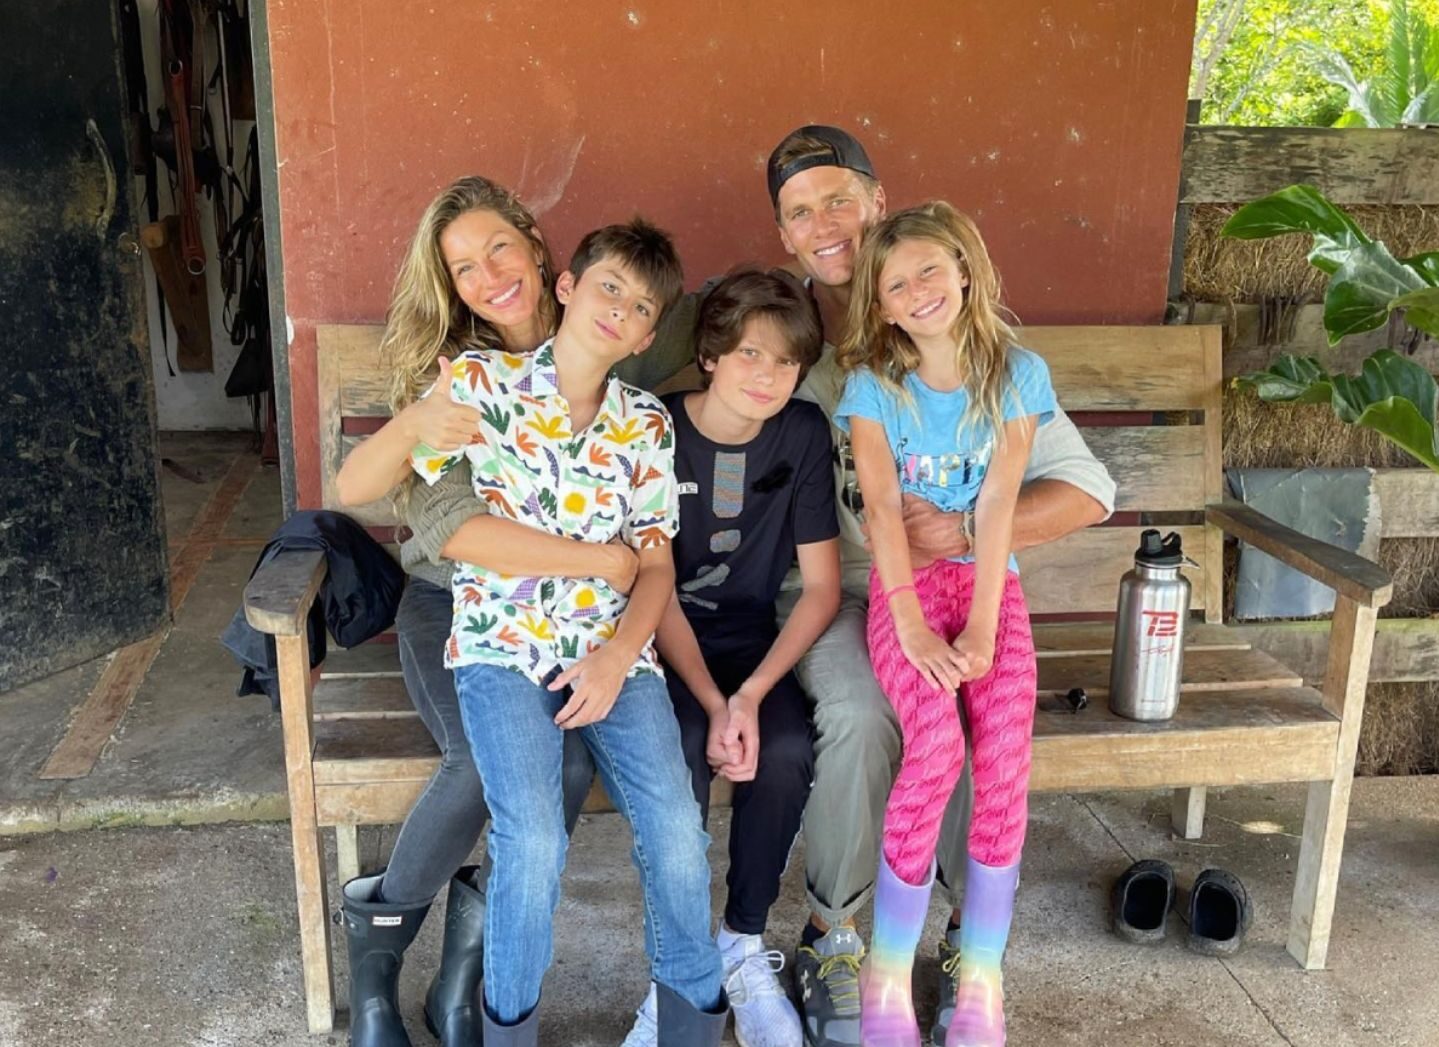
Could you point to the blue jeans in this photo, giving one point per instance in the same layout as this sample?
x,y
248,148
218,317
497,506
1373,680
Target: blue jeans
x,y
520,753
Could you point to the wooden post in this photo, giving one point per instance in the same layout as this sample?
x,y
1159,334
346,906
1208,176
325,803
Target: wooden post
x,y
293,652
1351,641
1187,812
347,853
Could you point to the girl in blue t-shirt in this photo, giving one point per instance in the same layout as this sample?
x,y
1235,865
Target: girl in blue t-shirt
x,y
942,405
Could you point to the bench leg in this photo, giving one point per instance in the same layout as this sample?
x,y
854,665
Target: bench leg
x,y
295,693
347,853
1312,914
1187,812
1326,814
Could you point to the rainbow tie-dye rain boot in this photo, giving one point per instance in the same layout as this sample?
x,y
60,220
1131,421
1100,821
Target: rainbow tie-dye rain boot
x,y
983,933
886,1016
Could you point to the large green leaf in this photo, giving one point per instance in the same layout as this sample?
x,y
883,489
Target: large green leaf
x,y
1391,395
1426,265
1363,288
1295,209
1421,309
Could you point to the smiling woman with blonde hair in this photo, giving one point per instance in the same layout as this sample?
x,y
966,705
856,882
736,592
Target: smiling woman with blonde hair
x,y
477,275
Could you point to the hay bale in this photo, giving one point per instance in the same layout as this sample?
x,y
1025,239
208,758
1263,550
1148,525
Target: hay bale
x,y
1401,729
1259,435
1219,269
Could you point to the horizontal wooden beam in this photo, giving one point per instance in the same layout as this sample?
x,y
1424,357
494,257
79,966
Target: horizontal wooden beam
x,y
1406,650
1349,165
1408,502
1243,351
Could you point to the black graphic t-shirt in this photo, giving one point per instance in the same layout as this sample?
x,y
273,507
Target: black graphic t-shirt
x,y
743,510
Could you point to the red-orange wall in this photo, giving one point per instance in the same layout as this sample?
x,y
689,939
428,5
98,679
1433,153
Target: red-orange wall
x,y
1057,124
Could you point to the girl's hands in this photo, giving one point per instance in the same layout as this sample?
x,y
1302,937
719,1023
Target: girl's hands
x,y
438,421
976,646
942,666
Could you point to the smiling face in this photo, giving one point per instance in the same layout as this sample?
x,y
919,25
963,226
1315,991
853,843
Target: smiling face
x,y
495,270
608,309
922,289
755,379
823,215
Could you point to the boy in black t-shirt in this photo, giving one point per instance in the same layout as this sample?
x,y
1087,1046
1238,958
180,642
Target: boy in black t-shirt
x,y
756,490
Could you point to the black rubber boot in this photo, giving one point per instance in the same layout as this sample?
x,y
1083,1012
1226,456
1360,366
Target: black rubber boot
x,y
525,1034
454,1003
377,935
681,1024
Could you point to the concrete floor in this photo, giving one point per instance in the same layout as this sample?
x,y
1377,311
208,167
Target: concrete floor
x,y
184,933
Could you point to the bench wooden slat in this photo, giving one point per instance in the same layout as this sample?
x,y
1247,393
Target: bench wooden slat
x,y
370,750
1203,671
1157,468
1218,738
1062,639
362,698
1080,573
1125,368
1092,368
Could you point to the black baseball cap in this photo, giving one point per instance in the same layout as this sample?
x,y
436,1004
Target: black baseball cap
x,y
844,151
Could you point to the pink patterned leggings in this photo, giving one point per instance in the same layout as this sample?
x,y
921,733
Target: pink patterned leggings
x,y
1000,708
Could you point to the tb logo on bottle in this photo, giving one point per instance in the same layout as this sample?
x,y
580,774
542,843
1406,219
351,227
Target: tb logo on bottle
x,y
1160,623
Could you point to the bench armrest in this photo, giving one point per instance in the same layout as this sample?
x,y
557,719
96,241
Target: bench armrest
x,y
1361,580
278,598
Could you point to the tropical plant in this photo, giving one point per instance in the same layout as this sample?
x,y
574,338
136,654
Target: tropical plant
x,y
1405,87
1392,394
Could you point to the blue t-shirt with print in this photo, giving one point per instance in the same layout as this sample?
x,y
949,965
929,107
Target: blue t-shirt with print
x,y
938,457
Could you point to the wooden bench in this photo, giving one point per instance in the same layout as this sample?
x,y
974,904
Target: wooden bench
x,y
1148,402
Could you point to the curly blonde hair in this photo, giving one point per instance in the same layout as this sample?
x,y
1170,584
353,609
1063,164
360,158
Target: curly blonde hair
x,y
426,318
981,335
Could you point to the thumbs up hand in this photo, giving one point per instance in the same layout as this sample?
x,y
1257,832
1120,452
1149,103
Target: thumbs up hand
x,y
438,421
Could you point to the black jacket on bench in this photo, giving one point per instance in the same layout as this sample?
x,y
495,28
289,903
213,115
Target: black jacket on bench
x,y
357,599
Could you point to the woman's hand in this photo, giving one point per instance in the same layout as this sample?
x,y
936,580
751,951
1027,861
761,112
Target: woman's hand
x,y
623,566
942,666
595,681
976,646
438,421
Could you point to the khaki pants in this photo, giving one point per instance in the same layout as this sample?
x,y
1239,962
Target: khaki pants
x,y
856,749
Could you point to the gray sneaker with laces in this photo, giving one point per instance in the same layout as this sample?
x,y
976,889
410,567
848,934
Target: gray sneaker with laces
x,y
826,977
948,986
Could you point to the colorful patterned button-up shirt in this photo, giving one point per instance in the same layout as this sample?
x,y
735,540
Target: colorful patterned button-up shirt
x,y
614,479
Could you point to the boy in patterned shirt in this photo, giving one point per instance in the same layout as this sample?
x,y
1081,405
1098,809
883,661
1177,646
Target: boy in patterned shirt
x,y
567,448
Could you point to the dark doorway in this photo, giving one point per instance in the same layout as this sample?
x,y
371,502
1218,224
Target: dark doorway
x,y
82,544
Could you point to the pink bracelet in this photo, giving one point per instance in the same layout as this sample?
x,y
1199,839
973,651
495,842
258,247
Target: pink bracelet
x,y
890,593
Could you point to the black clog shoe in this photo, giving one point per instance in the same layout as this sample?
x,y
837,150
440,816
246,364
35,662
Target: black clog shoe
x,y
1140,901
1220,913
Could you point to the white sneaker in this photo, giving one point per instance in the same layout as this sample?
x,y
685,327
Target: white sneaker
x,y
646,1030
763,1013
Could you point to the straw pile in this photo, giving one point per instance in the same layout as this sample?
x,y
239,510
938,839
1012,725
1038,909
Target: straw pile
x,y
1218,269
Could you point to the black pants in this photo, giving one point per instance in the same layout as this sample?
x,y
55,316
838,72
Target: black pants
x,y
766,811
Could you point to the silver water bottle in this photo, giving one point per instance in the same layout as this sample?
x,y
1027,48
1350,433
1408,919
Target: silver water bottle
x,y
1148,662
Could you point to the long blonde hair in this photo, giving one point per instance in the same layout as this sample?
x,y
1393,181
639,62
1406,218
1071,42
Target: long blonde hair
x,y
426,318
982,337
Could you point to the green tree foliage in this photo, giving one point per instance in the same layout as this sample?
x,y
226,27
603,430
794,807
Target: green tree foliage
x,y
1255,60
